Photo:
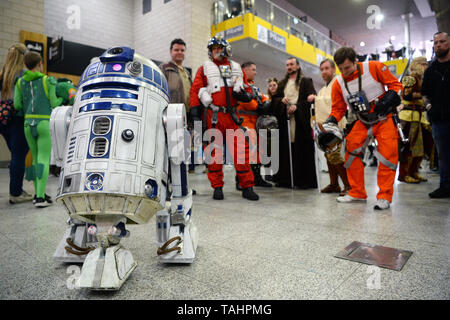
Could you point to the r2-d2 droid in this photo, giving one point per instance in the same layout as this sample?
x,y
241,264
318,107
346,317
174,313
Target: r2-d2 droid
x,y
125,144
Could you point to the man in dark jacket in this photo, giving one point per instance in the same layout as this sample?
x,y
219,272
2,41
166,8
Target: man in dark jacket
x,y
436,94
291,99
179,80
178,77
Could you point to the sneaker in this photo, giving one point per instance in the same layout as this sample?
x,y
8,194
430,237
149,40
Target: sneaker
x,y
249,194
41,203
24,197
439,193
47,197
382,204
345,191
347,198
218,193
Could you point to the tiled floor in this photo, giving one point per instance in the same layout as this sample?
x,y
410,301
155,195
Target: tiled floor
x,y
281,247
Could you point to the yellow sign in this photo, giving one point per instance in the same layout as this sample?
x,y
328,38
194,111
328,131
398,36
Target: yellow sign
x,y
261,30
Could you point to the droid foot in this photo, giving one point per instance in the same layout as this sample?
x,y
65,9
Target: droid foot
x,y
106,269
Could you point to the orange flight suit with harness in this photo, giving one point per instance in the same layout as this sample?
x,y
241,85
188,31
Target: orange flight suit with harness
x,y
249,113
370,79
210,90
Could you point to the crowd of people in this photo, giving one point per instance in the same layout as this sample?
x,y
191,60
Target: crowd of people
x,y
352,110
363,107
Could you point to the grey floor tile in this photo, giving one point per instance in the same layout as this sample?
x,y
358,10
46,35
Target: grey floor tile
x,y
424,252
280,247
415,281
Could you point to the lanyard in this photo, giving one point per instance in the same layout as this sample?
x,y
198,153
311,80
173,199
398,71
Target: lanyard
x,y
359,80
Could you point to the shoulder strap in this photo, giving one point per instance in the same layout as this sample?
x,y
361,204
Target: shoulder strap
x,y
359,80
19,84
44,82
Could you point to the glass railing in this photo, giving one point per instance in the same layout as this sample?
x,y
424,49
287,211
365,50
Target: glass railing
x,y
270,12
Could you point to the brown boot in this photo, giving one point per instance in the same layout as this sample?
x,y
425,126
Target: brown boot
x,y
333,187
342,172
414,169
419,177
409,179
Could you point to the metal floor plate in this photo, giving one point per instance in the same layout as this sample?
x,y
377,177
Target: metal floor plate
x,y
383,257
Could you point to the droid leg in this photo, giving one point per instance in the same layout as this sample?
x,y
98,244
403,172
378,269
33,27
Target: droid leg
x,y
75,244
176,233
110,264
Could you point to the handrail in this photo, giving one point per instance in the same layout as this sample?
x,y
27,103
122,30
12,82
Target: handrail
x,y
300,21
222,8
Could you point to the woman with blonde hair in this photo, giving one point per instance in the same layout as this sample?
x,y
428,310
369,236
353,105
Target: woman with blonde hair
x,y
11,124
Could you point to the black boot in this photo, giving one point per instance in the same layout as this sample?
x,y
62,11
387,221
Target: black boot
x,y
218,193
238,186
249,194
259,181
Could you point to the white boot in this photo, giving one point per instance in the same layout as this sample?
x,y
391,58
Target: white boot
x,y
347,198
381,204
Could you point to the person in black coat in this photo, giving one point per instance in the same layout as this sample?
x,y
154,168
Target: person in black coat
x,y
292,97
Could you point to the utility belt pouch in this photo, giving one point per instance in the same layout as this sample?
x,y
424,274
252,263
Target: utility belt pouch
x,y
358,102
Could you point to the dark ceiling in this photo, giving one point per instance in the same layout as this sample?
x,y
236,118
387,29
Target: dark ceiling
x,y
348,19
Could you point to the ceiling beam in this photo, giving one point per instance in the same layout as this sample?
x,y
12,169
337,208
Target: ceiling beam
x,y
424,8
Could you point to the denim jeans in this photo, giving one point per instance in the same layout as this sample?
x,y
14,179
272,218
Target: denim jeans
x,y
441,136
17,144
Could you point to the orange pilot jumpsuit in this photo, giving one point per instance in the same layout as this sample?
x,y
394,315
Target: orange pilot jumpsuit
x,y
375,76
238,147
248,112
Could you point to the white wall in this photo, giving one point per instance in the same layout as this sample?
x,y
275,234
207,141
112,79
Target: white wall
x,y
16,15
102,23
189,20
201,22
156,29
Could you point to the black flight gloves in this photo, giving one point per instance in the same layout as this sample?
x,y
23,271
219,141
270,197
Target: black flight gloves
x,y
387,104
242,96
264,108
331,119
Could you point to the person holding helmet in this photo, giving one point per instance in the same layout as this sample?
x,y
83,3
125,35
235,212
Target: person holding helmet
x,y
322,104
216,90
249,112
361,88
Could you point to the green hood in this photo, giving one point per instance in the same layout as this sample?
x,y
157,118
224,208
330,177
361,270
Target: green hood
x,y
30,75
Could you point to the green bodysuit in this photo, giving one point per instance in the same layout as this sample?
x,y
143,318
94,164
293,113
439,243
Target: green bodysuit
x,y
35,97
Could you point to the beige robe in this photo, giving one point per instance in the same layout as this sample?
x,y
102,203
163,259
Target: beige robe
x,y
322,105
291,93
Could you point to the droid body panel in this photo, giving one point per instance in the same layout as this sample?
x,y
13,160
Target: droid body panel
x,y
116,141
122,136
